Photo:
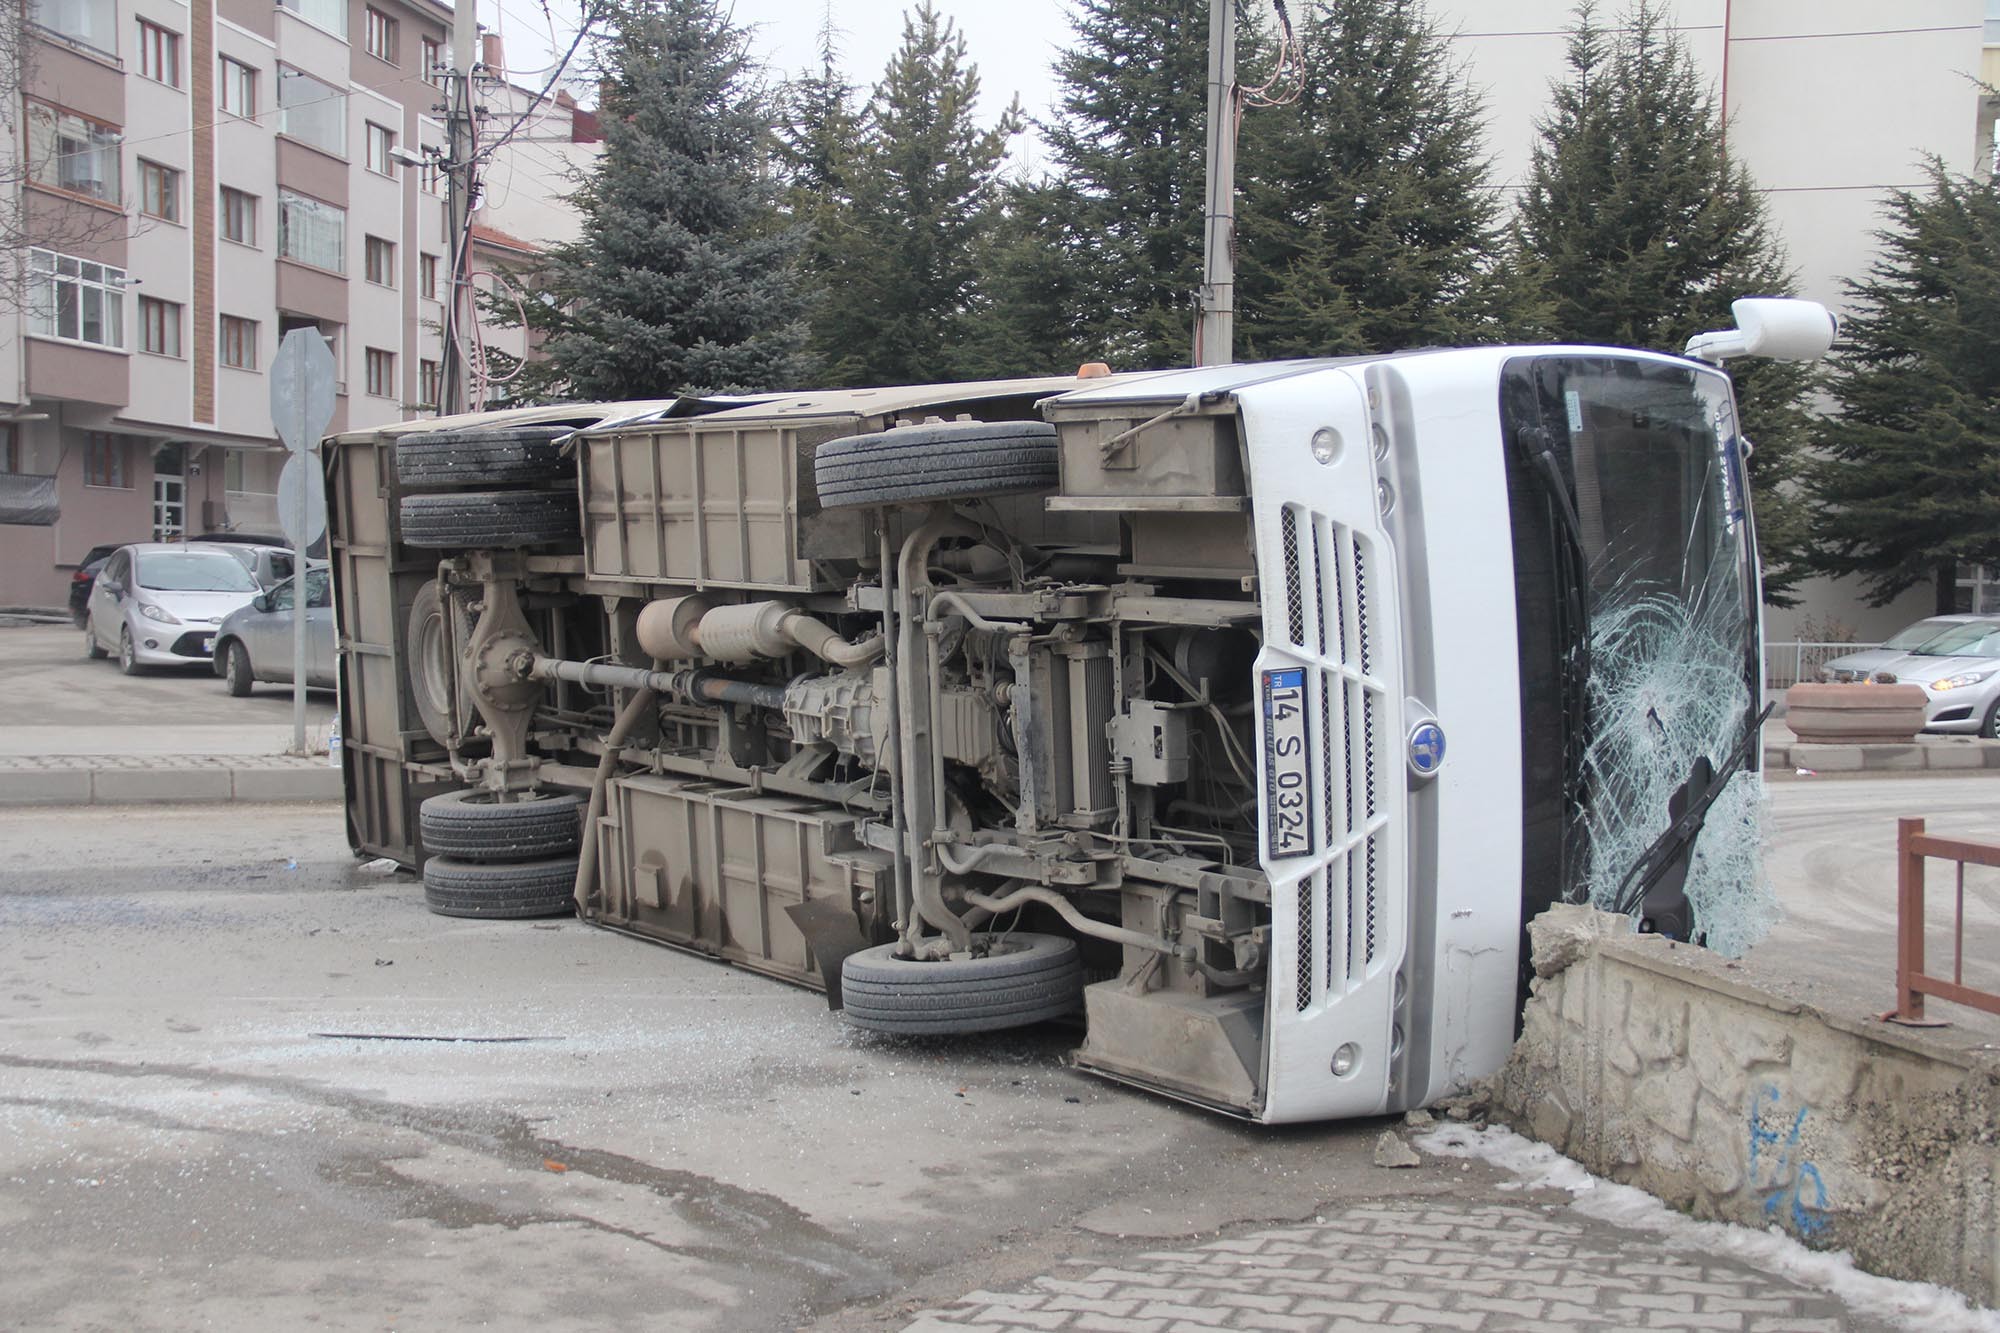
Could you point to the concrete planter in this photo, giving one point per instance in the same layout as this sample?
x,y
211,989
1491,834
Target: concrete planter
x,y
1855,714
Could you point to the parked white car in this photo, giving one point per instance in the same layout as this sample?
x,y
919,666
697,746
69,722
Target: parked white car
x,y
1860,667
158,604
1960,672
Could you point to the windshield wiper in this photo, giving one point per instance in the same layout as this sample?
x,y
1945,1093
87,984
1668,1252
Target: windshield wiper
x,y
1656,885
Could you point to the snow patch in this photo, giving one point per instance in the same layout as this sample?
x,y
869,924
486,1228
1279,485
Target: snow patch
x,y
1913,1305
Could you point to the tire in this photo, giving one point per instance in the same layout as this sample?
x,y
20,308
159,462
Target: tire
x,y
91,647
500,892
954,460
128,653
1036,977
429,659
236,668
469,826
1989,726
497,520
446,460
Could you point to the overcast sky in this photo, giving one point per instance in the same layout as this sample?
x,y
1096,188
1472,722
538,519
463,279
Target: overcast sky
x,y
1012,41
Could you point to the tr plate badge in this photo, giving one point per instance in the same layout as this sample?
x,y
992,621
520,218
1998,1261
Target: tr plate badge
x,y
1287,792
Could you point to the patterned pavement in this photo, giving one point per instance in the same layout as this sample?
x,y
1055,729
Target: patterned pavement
x,y
1425,1265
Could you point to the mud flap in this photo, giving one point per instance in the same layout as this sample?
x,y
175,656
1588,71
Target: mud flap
x,y
832,933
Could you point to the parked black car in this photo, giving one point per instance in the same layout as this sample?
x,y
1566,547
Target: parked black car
x,y
81,582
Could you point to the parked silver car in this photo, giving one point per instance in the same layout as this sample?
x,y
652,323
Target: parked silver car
x,y
1960,671
255,643
1860,667
158,604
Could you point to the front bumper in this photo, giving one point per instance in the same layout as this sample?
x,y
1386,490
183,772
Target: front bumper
x,y
172,645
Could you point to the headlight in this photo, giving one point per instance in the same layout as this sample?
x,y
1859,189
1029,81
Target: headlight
x,y
159,613
1959,682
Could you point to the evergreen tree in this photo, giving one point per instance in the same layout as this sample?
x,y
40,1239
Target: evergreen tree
x,y
1127,142
1366,220
1910,485
1642,229
904,250
683,278
818,139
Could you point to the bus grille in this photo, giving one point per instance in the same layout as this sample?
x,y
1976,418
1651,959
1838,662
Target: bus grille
x,y
1330,621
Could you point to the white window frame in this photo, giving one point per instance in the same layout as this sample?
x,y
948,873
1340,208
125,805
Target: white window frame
x,y
381,144
87,283
304,224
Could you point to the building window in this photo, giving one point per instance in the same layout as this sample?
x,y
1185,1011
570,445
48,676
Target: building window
x,y
312,232
67,152
381,143
159,54
239,216
312,112
430,383
433,62
10,447
381,373
159,191
107,460
237,342
381,261
75,299
159,327
90,23
328,14
381,36
433,176
427,276
238,93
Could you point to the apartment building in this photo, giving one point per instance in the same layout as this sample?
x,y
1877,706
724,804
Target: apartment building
x,y
204,178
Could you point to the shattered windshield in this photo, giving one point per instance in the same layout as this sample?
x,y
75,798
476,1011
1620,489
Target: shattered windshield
x,y
1671,628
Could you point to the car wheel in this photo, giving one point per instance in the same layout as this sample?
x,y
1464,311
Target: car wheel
x,y
481,889
952,460
91,647
128,652
476,826
1024,979
236,668
1989,727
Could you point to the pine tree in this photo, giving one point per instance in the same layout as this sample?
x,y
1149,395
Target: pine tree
x,y
1367,222
1127,143
682,279
818,139
904,249
1642,229
1910,485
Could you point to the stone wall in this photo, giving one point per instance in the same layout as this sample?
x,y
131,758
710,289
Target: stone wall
x,y
1662,1066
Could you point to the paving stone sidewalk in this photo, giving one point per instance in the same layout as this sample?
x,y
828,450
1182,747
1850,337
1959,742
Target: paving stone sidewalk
x,y
1427,1265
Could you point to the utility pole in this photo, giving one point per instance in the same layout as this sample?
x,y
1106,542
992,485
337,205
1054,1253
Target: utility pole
x,y
461,185
1214,334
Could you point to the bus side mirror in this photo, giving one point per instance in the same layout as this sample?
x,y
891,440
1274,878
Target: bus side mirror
x,y
1778,327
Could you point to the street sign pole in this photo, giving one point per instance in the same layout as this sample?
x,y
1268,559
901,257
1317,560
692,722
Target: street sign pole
x,y
301,410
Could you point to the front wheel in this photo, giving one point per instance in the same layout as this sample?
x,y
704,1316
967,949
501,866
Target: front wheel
x,y
91,647
236,668
1022,979
1990,726
128,652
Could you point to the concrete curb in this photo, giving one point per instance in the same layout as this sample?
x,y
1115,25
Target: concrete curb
x,y
85,784
1923,758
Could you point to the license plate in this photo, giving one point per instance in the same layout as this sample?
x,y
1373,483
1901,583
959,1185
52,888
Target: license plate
x,y
1287,794
208,644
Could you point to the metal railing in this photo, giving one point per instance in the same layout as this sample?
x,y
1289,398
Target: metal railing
x,y
1788,664
1913,846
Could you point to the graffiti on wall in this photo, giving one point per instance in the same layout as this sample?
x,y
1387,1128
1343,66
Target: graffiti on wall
x,y
1794,1195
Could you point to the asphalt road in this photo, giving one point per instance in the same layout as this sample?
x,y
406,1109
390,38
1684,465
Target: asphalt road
x,y
57,701
660,1140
